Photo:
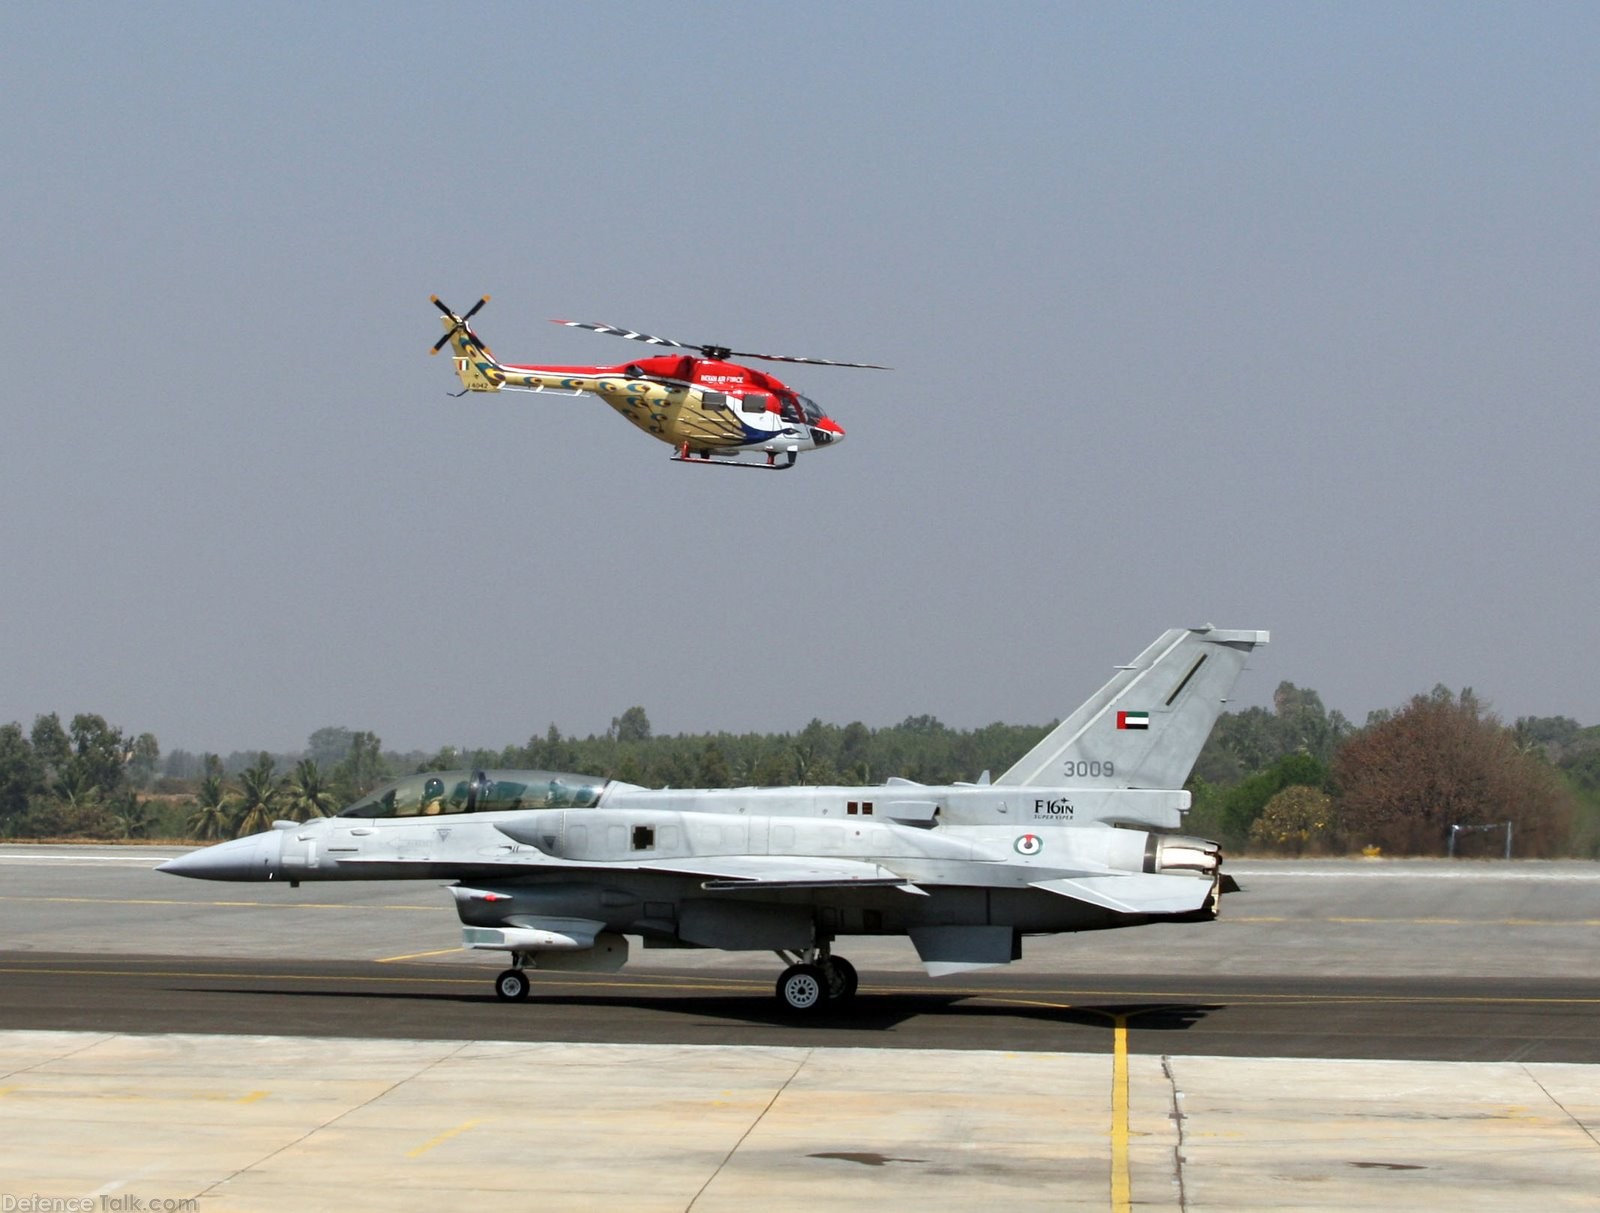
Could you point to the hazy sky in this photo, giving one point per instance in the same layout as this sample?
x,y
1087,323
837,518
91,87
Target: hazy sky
x,y
1269,315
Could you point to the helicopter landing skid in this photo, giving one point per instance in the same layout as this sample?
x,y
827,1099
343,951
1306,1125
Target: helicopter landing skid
x,y
772,464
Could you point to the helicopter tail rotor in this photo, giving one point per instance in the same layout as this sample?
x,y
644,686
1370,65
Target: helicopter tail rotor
x,y
475,365
458,325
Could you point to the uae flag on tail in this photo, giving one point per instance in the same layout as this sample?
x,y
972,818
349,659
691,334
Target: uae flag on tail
x,y
1133,720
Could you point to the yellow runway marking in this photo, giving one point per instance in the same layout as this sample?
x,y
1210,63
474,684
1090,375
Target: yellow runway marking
x,y
174,901
1121,1175
441,1139
1367,921
387,960
1121,1182
192,974
685,985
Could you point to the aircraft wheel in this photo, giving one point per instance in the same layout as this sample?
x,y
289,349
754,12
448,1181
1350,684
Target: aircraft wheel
x,y
842,979
512,986
803,989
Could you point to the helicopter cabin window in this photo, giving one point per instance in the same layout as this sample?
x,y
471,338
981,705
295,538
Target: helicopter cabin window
x,y
790,410
713,401
644,838
755,402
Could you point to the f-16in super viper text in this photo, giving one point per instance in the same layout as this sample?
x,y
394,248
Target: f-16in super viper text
x,y
709,409
560,869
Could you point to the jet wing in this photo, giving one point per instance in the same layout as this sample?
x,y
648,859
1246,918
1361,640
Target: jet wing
x,y
729,871
718,872
725,872
1134,893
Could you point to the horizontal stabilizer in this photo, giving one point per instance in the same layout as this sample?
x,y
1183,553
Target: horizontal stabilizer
x,y
1135,893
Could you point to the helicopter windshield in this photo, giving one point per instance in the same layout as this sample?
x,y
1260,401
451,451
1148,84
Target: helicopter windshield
x,y
800,408
432,793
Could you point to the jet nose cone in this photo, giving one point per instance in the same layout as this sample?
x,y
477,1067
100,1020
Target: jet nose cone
x,y
252,858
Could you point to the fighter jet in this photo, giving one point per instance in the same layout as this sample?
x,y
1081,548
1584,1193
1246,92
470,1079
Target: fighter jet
x,y
559,870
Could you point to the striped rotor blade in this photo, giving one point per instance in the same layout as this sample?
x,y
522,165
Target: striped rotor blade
x,y
628,333
861,366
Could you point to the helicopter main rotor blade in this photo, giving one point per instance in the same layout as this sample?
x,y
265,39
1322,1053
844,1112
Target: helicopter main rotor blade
x,y
717,352
861,366
628,333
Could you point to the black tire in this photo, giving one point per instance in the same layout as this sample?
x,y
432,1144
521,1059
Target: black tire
x,y
842,979
803,989
512,986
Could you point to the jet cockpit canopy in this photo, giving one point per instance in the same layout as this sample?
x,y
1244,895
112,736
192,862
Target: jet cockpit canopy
x,y
433,793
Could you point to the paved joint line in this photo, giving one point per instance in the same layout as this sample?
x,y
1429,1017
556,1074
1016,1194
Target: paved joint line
x,y
728,1157
211,1188
99,1039
1582,1128
1177,1118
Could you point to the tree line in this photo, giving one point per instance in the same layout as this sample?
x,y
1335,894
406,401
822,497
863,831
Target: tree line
x,y
1292,778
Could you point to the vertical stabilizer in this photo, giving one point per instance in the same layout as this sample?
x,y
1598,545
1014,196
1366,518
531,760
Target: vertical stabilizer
x,y
1144,728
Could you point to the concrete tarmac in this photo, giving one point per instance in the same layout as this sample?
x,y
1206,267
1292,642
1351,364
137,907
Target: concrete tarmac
x,y
265,1123
320,1114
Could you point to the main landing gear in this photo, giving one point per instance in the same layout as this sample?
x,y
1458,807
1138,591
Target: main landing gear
x,y
815,979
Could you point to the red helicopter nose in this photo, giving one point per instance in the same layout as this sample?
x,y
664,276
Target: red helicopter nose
x,y
830,426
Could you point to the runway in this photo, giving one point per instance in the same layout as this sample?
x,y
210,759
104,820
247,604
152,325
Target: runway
x,y
1438,1019
1348,1036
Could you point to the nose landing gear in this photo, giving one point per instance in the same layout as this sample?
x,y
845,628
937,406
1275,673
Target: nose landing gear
x,y
512,986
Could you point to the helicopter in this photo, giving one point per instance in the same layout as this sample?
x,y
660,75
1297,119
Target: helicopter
x,y
710,410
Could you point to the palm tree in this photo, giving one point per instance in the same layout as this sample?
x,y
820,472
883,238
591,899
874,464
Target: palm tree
x,y
210,817
75,788
803,757
135,819
309,793
258,796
